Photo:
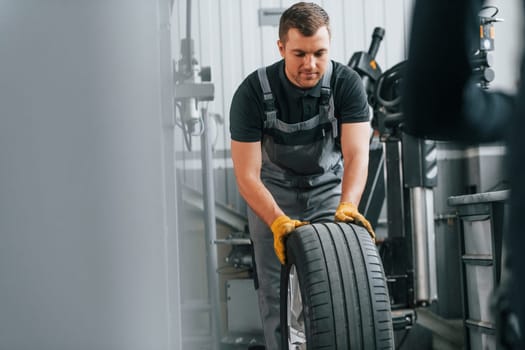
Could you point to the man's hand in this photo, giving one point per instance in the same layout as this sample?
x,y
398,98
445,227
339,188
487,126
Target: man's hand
x,y
347,212
281,227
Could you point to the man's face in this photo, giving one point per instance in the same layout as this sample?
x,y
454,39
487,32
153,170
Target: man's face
x,y
305,57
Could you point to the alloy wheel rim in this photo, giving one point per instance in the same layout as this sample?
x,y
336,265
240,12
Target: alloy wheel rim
x,y
295,313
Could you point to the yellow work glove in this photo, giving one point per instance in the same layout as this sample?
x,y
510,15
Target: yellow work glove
x,y
347,212
281,227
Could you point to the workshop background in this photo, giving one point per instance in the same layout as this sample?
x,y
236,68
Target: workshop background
x,y
102,237
234,38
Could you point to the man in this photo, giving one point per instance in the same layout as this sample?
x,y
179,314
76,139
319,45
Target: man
x,y
291,124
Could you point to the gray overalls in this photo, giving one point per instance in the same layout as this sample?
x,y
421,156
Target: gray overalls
x,y
305,181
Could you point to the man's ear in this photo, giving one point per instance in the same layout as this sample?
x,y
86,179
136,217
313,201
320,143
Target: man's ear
x,y
280,45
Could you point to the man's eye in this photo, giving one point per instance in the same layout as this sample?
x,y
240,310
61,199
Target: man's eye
x,y
299,54
319,54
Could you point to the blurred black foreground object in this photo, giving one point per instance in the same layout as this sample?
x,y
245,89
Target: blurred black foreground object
x,y
443,100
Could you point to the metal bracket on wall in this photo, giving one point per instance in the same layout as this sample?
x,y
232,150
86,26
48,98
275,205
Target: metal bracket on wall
x,y
270,16
198,91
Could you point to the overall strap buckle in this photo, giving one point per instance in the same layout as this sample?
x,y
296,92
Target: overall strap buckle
x,y
270,112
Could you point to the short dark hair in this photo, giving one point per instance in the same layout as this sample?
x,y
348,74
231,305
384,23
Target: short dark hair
x,y
307,17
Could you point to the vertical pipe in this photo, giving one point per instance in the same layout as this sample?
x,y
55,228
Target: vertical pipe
x,y
210,229
420,244
188,19
424,244
431,240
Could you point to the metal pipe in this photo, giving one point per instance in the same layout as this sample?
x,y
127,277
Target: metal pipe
x,y
211,229
424,244
188,19
431,244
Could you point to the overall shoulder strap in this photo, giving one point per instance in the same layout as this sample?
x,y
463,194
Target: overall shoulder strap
x,y
327,100
325,84
269,101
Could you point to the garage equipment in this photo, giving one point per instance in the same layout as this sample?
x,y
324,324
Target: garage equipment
x,y
408,253
192,85
411,174
482,58
481,219
365,65
189,91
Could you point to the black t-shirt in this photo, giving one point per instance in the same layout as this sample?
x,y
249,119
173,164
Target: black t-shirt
x,y
293,103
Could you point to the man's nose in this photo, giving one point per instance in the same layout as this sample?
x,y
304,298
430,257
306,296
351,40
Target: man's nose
x,y
310,61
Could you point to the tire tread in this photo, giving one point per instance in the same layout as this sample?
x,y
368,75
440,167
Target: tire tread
x,y
343,285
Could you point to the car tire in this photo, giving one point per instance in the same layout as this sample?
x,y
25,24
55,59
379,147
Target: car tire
x,y
333,290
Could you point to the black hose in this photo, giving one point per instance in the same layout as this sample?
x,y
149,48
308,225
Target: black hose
x,y
391,75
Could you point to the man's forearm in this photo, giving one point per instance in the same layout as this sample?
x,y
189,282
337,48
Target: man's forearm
x,y
355,148
246,158
259,199
354,178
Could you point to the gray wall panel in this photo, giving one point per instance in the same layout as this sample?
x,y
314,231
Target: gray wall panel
x,y
229,14
251,50
374,16
353,19
395,37
339,39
